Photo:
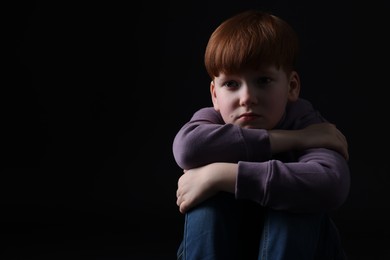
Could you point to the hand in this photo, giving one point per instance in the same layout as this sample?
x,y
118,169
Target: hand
x,y
199,184
319,135
324,135
193,187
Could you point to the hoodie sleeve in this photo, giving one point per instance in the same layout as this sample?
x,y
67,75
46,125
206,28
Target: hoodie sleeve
x,y
206,139
315,179
319,180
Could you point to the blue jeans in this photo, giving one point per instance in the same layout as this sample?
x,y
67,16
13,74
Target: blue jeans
x,y
228,229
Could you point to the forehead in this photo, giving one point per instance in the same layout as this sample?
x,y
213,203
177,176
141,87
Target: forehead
x,y
270,71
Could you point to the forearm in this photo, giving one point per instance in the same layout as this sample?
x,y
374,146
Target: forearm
x,y
319,181
284,140
199,184
319,135
225,176
206,138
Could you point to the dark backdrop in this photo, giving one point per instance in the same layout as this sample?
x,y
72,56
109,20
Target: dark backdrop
x,y
94,92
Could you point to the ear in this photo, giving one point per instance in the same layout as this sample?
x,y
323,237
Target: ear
x,y
294,86
214,95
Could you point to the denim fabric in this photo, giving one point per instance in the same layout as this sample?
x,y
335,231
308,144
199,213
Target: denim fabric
x,y
227,229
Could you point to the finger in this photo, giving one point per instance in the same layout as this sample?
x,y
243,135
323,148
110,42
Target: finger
x,y
179,201
182,208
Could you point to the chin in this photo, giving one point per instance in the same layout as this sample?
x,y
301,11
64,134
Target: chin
x,y
253,126
250,126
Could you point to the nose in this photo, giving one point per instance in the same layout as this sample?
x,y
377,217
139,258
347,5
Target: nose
x,y
248,95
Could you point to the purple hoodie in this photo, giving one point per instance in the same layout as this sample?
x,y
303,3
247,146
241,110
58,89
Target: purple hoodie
x,y
301,181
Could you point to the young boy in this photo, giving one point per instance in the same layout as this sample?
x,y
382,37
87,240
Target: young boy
x,y
262,168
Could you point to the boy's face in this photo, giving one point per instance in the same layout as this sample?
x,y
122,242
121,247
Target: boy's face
x,y
254,98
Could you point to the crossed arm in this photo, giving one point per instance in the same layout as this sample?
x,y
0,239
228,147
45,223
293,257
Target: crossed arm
x,y
240,161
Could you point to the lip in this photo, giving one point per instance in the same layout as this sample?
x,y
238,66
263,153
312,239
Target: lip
x,y
248,116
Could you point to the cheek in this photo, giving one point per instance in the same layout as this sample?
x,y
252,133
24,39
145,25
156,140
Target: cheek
x,y
228,119
226,102
277,103
226,113
278,97
226,108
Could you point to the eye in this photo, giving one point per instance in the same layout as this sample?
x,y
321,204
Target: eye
x,y
264,82
231,84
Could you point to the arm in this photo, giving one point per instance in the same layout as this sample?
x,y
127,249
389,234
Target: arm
x,y
206,139
318,181
321,176
318,135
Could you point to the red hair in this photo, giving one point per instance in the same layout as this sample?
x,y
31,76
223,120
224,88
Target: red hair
x,y
250,40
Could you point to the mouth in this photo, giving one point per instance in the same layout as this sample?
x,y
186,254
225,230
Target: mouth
x,y
248,117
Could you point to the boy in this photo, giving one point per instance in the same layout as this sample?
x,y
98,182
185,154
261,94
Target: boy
x,y
262,168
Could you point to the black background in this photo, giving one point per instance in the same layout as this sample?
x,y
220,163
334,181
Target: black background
x,y
94,92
